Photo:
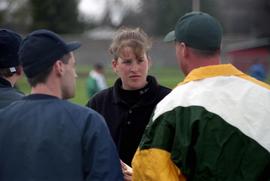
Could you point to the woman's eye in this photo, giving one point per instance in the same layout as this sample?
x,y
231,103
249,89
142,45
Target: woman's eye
x,y
140,60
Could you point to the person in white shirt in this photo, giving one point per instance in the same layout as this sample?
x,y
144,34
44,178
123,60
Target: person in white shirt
x,y
96,80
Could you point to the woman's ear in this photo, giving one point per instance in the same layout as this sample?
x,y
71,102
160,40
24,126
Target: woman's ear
x,y
114,63
149,61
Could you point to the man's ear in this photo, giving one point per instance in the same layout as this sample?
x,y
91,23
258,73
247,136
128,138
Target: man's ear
x,y
19,70
183,50
58,66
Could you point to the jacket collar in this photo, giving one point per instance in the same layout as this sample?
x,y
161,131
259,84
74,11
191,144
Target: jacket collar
x,y
4,83
39,96
212,71
148,94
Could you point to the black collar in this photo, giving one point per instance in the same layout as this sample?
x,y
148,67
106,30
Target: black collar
x,y
39,96
4,83
145,95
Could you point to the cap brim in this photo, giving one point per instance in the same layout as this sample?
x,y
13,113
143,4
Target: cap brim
x,y
169,37
73,46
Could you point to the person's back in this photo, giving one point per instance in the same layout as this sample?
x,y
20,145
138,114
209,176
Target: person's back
x,y
53,139
92,86
44,137
10,69
219,129
8,94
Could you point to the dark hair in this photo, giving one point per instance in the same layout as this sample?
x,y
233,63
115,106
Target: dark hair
x,y
5,72
43,76
98,66
136,39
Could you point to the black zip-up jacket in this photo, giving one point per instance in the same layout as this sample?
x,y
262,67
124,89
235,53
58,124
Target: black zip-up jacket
x,y
127,113
8,94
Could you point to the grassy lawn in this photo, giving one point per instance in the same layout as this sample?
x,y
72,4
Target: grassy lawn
x,y
167,76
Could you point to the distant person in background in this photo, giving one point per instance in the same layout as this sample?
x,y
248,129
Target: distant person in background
x,y
128,105
45,137
10,68
96,80
215,124
257,70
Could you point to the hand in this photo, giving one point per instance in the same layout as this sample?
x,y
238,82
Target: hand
x,y
127,171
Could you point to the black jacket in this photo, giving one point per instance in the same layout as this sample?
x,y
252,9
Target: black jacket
x,y
8,94
128,112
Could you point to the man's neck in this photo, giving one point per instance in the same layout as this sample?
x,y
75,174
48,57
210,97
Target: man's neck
x,y
202,62
47,89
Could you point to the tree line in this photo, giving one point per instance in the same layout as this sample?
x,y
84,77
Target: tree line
x,y
156,17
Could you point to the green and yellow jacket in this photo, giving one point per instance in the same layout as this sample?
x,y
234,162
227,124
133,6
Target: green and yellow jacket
x,y
214,125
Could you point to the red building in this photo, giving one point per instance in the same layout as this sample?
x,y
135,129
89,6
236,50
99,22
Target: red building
x,y
246,53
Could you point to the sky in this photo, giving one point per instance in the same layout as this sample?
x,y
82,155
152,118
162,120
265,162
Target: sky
x,y
94,10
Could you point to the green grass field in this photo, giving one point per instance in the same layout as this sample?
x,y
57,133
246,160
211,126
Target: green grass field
x,y
167,76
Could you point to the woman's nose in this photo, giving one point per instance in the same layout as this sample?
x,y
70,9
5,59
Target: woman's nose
x,y
134,67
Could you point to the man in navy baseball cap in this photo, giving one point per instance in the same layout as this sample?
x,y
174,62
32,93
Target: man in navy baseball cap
x,y
10,69
43,136
41,49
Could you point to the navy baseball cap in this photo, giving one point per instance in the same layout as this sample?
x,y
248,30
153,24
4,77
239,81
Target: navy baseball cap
x,y
9,46
198,30
41,49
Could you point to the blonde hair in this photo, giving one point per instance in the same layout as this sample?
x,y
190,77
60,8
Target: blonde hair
x,y
135,38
